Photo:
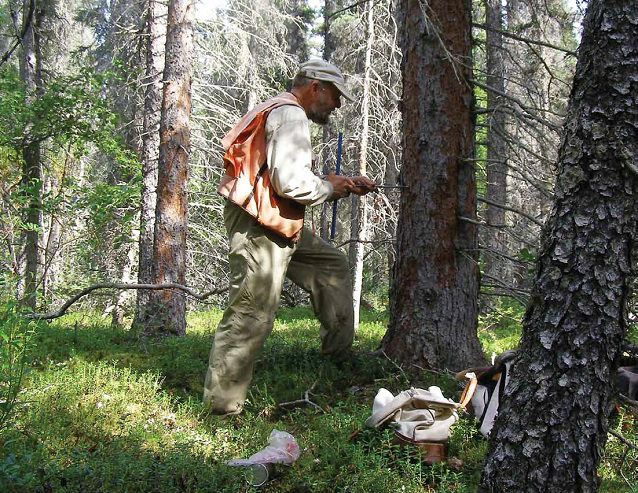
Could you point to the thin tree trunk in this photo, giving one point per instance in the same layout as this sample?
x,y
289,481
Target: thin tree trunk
x,y
328,132
169,246
252,72
51,242
360,226
298,29
155,42
553,420
30,68
496,157
117,315
433,301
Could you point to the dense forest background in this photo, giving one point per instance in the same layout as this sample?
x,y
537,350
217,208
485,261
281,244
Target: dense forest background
x,y
80,108
508,147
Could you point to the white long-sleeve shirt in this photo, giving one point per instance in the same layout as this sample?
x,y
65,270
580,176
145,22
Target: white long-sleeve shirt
x,y
289,157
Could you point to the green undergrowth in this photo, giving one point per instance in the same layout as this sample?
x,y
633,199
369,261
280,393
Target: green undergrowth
x,y
103,410
500,327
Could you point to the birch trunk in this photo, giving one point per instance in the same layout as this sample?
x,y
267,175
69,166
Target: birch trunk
x,y
361,224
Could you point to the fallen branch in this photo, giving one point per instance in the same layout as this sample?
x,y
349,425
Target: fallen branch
x,y
623,439
305,400
119,285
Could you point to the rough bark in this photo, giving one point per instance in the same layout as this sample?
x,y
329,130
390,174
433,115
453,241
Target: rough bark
x,y
434,290
156,38
169,247
360,226
553,420
496,165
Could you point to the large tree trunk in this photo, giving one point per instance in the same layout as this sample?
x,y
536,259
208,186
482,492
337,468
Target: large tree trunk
x,y
434,291
169,250
496,190
553,420
155,41
360,226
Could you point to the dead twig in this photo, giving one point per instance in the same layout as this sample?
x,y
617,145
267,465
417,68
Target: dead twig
x,y
436,371
511,209
623,439
626,400
528,41
305,400
407,379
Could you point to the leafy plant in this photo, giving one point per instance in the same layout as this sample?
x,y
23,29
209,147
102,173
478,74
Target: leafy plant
x,y
15,340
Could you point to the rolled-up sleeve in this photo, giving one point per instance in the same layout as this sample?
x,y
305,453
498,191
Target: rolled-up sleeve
x,y
289,157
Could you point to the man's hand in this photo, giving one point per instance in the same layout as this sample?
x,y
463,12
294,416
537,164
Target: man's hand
x,y
362,185
341,185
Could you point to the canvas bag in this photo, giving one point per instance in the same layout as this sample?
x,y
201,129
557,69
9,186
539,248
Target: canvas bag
x,y
418,415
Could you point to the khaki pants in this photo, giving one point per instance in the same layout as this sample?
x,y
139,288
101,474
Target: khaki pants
x,y
259,262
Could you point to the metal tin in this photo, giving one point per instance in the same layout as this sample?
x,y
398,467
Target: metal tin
x,y
258,474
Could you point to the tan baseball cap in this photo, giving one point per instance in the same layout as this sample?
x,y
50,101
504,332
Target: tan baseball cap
x,y
319,69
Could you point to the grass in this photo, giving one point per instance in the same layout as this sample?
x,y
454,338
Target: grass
x,y
103,411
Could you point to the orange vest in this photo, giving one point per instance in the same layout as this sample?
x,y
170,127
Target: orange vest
x,y
247,182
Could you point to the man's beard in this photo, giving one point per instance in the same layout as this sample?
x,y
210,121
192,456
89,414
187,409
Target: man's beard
x,y
318,116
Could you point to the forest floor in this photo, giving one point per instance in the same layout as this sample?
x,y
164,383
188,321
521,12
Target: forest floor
x,y
105,411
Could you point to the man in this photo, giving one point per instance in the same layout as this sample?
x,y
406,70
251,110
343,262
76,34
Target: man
x,y
267,184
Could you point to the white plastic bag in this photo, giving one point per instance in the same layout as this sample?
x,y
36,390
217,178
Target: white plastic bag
x,y
282,449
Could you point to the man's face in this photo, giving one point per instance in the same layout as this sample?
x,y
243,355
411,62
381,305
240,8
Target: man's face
x,y
326,99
